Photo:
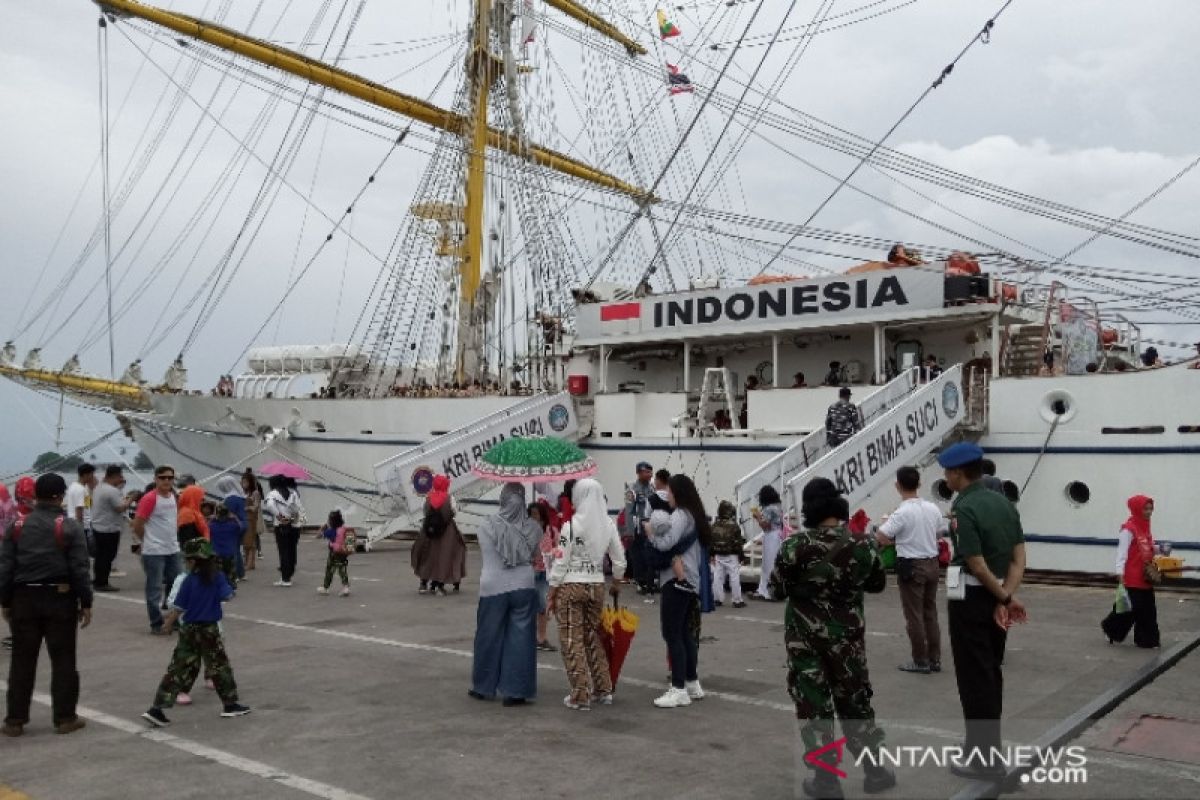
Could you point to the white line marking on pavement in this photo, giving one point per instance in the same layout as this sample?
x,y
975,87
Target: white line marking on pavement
x,y
730,697
246,765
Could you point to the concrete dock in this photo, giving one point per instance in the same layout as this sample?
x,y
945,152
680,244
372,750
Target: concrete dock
x,y
365,697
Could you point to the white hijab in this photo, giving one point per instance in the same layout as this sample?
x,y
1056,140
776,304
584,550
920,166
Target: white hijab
x,y
591,522
230,486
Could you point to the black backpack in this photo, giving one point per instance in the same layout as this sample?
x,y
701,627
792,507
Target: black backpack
x,y
434,524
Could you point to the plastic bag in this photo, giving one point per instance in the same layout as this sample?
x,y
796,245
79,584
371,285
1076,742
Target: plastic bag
x,y
1121,604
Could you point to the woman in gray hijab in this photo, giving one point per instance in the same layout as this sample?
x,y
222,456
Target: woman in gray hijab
x,y
505,660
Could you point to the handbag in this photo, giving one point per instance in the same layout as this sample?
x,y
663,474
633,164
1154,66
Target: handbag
x,y
943,555
1152,573
956,587
1121,604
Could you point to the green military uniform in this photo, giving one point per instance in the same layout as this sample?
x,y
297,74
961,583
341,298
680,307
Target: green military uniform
x,y
982,523
339,563
824,632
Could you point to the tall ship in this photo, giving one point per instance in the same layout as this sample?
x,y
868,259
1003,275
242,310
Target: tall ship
x,y
575,258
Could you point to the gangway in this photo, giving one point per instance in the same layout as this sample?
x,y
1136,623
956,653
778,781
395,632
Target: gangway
x,y
782,467
903,434
405,478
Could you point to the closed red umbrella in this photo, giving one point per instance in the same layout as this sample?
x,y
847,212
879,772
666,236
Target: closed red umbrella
x,y
617,628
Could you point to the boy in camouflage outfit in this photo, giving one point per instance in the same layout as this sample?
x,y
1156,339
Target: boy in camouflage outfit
x,y
200,598
822,572
728,546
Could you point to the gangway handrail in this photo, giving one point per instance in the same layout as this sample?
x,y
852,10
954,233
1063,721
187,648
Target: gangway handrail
x,y
813,446
889,417
470,427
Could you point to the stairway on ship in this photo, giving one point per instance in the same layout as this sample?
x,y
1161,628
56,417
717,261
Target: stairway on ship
x,y
405,478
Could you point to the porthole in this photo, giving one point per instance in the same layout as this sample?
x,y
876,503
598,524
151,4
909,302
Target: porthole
x,y
1058,406
1078,492
1012,492
941,490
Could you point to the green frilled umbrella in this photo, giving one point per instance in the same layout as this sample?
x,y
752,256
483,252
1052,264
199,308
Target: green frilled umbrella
x,y
532,459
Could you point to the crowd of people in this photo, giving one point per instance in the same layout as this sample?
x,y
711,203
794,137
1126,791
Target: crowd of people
x,y
556,555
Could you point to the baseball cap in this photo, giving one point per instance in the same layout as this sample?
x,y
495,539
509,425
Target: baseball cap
x,y
644,465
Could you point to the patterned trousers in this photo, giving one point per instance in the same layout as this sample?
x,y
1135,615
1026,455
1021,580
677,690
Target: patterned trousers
x,y
338,562
828,677
578,612
197,643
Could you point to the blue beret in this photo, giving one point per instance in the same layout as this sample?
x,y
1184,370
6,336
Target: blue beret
x,y
960,453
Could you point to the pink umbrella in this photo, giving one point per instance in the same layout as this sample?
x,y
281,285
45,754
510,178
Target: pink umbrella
x,y
286,469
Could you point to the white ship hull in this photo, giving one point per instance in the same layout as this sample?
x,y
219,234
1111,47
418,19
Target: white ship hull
x,y
1103,442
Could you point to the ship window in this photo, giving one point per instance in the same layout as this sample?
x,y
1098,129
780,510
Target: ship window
x,y
1136,429
941,490
1189,428
1078,492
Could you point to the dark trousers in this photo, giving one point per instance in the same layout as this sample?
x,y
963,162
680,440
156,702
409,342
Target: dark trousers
x,y
108,543
683,647
918,598
1142,617
287,539
978,646
43,614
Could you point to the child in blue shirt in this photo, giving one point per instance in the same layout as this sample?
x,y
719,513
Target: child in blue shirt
x,y
200,597
226,530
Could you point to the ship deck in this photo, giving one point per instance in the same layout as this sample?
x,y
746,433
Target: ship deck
x,y
366,697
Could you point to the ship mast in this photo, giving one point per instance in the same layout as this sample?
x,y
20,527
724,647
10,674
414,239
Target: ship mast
x,y
483,69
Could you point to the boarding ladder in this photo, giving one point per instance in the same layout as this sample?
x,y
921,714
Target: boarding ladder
x,y
905,433
405,478
782,467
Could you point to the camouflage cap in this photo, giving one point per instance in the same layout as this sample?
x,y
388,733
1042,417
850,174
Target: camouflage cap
x,y
197,548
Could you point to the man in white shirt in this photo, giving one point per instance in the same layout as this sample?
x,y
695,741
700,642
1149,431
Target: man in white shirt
x,y
914,528
79,499
155,537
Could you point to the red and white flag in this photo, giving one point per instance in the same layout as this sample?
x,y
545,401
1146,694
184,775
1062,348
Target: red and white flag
x,y
621,317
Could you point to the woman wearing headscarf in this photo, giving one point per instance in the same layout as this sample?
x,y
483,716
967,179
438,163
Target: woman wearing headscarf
x,y
439,555
577,593
284,505
190,520
769,517
505,659
688,534
823,571
1135,552
253,493
229,489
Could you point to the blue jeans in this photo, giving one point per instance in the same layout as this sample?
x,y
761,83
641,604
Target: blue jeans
x,y
505,661
159,570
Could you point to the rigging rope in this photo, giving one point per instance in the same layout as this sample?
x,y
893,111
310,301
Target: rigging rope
x,y
983,36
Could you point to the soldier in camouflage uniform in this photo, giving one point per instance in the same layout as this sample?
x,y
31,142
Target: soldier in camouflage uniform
x,y
199,598
822,572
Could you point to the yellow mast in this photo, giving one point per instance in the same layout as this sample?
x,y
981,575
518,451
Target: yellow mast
x,y
483,70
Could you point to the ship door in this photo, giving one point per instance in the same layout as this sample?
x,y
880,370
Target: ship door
x,y
908,353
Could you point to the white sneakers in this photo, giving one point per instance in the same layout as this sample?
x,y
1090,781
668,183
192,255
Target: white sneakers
x,y
322,590
345,591
674,698
282,583
693,690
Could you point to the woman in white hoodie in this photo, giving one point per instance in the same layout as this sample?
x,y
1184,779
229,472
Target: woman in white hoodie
x,y
577,593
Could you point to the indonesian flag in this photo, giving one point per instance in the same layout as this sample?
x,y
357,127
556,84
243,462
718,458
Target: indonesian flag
x,y
666,28
677,82
621,317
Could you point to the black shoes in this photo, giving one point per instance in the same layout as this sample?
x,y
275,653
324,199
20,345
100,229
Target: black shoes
x,y
915,666
156,717
878,779
235,710
823,786
509,702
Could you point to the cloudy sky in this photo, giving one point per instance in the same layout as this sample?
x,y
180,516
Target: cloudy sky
x,y
1079,102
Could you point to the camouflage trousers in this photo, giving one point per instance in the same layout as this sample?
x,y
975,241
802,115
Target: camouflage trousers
x,y
830,676
197,643
338,563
